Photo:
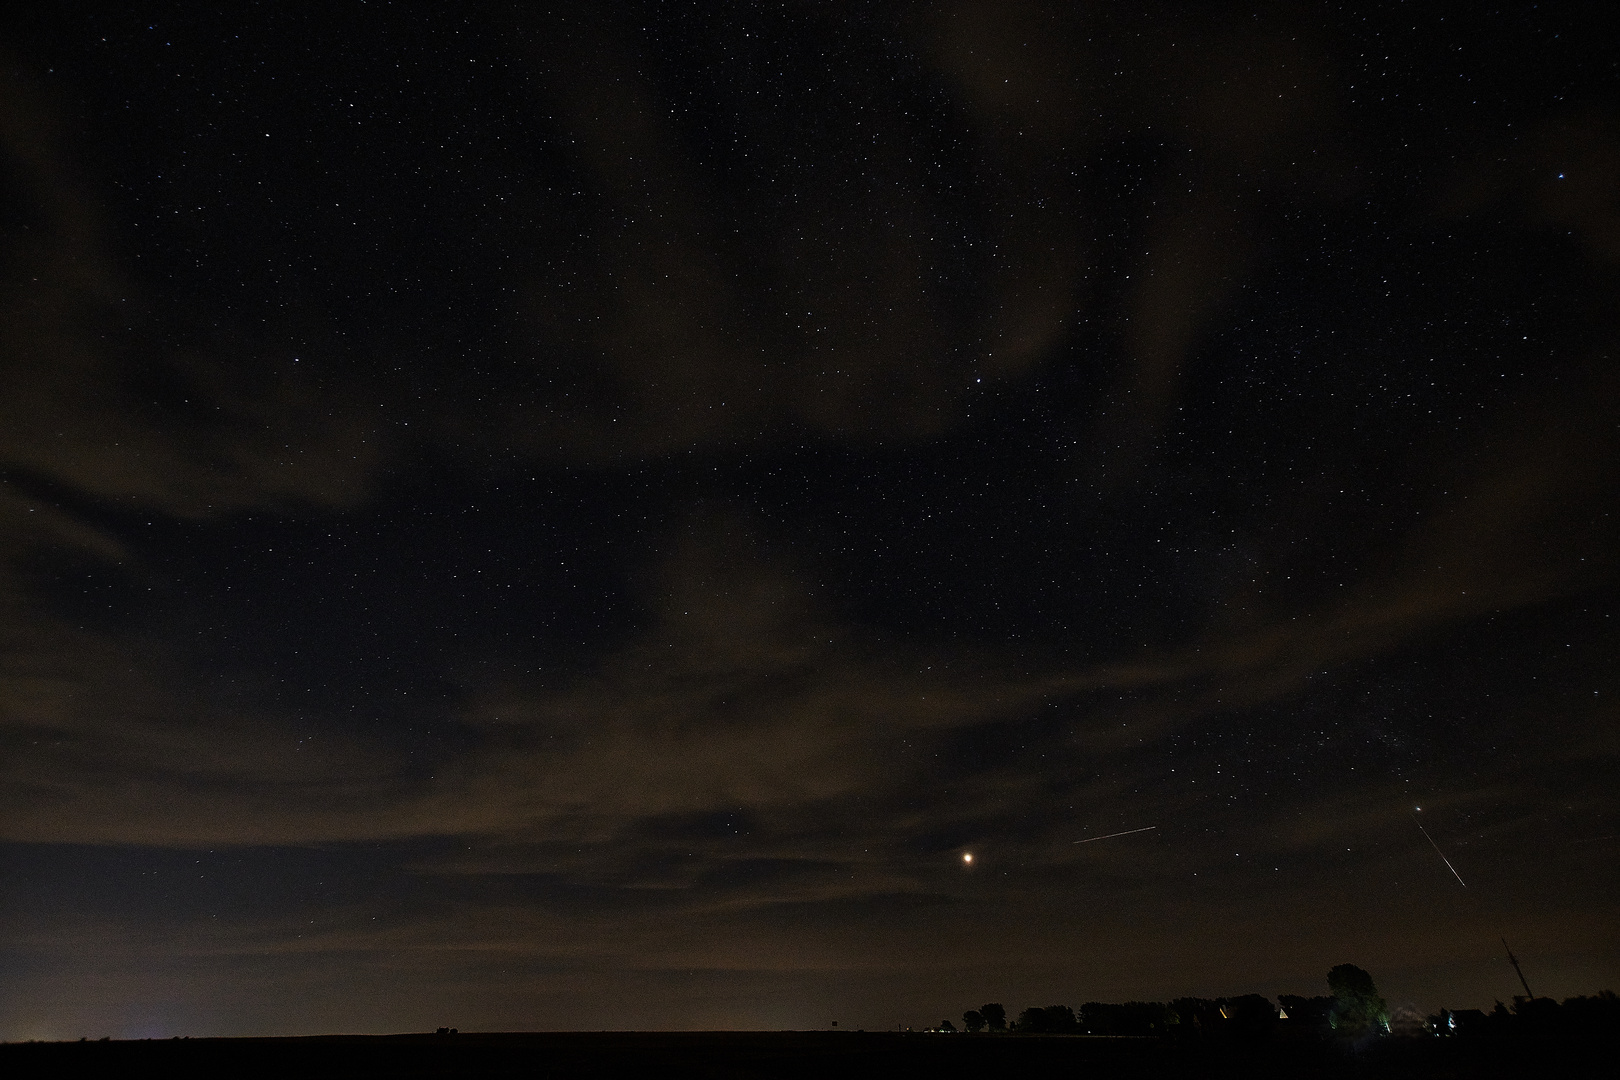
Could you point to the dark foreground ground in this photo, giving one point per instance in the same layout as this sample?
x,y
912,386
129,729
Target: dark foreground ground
x,y
842,1055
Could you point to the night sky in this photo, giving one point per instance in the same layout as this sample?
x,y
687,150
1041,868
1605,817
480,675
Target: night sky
x,y
520,516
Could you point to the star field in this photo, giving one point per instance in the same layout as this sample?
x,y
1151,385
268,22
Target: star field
x,y
693,516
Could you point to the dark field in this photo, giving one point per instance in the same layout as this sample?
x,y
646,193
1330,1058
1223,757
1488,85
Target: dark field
x,y
790,1054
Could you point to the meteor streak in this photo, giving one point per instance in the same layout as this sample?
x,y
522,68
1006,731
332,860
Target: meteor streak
x,y
1111,835
1437,850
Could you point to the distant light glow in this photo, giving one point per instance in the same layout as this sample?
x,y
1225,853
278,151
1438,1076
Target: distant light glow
x,y
967,858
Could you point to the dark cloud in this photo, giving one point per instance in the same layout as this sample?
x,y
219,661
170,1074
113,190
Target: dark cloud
x,y
740,696
790,280
91,404
1233,119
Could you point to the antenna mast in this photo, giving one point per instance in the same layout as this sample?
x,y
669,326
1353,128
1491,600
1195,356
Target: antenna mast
x,y
1514,960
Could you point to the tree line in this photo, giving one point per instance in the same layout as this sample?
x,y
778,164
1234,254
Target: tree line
x,y
1353,1011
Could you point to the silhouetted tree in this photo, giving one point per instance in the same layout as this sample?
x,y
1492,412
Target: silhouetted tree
x,y
1131,1018
1052,1020
1598,1015
1307,1016
1539,1019
1358,1011
973,1020
995,1017
1146,1018
1098,1018
1197,1016
946,1025
1250,1016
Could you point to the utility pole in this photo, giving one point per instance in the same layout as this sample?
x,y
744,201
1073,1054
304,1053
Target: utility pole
x,y
1514,960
